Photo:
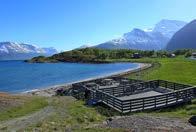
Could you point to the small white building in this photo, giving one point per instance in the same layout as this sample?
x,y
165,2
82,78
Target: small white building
x,y
173,55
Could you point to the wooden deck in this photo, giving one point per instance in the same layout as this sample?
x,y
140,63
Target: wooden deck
x,y
138,95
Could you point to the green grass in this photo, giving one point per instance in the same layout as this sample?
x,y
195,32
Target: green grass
x,y
30,105
81,114
70,114
178,69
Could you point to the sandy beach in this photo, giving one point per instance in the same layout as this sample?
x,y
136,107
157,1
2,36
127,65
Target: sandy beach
x,y
50,91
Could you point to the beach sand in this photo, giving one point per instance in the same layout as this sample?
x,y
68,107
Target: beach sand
x,y
50,91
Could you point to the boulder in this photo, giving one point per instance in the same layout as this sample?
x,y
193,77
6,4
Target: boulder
x,y
192,120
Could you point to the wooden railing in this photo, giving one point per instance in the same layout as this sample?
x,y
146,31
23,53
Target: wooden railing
x,y
158,101
128,89
152,102
172,85
184,94
110,96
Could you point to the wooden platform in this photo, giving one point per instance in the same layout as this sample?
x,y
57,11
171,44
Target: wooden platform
x,y
141,95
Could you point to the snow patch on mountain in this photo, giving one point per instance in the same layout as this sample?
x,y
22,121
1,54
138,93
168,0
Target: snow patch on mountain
x,y
148,39
168,27
15,50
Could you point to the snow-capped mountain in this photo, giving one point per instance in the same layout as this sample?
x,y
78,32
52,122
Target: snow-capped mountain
x,y
151,39
169,27
11,50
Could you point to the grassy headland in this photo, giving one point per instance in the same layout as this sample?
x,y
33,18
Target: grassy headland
x,y
94,55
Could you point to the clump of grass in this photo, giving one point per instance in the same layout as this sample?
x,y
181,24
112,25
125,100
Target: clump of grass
x,y
29,106
79,113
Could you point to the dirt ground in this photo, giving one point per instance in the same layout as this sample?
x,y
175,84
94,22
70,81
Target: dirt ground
x,y
7,101
149,123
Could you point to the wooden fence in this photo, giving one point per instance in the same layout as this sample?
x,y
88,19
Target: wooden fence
x,y
180,93
133,88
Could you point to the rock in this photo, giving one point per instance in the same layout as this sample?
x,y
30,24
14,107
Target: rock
x,y
192,120
109,119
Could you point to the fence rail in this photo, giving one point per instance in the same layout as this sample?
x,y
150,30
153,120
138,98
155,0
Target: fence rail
x,y
175,93
151,102
180,93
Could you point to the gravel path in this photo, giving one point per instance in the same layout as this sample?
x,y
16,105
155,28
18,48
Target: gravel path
x,y
148,124
22,122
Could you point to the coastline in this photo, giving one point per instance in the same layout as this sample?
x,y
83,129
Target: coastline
x,y
50,91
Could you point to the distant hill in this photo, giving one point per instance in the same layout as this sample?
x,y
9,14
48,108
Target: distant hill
x,y
153,39
21,51
91,55
184,38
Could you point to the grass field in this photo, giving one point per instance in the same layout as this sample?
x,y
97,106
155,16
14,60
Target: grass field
x,y
178,69
70,114
17,106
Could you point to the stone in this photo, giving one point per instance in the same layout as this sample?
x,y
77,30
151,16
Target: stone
x,y
192,120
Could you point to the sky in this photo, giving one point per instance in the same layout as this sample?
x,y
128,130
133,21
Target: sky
x,y
68,24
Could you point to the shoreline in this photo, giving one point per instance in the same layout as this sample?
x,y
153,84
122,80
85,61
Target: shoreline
x,y
50,91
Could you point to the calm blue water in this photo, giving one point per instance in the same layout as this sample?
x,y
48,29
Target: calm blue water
x,y
18,76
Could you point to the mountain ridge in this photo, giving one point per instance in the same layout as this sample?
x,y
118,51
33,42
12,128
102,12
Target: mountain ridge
x,y
18,51
185,38
154,39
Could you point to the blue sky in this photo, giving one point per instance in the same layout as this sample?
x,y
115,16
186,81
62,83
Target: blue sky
x,y
67,24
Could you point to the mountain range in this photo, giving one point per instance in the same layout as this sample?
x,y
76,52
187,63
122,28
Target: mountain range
x,y
21,51
153,39
166,34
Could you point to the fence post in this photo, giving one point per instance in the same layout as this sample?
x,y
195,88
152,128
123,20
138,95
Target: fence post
x,y
194,92
166,99
155,102
177,96
165,84
143,103
123,89
130,105
107,99
113,101
122,106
